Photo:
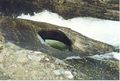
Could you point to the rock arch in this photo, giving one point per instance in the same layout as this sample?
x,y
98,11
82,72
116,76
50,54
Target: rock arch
x,y
24,33
55,35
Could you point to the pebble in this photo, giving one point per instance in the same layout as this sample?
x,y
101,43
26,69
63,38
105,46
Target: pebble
x,y
37,52
68,74
47,59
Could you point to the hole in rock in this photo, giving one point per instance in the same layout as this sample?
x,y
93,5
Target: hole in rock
x,y
57,44
56,39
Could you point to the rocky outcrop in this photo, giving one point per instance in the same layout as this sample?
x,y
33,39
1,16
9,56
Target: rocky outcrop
x,y
24,54
105,9
96,69
20,64
17,63
31,35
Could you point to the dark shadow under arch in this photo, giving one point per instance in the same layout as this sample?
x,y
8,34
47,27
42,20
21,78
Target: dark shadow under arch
x,y
55,35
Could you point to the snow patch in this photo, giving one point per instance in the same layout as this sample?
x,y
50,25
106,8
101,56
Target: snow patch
x,y
73,57
107,56
107,31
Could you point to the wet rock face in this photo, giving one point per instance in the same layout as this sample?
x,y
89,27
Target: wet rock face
x,y
105,9
29,35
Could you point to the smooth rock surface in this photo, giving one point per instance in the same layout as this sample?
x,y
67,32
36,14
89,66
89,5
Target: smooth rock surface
x,y
17,63
25,33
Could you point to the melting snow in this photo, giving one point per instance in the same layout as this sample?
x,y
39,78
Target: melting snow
x,y
103,30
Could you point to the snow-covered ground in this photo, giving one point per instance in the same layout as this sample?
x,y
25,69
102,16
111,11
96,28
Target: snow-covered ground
x,y
103,30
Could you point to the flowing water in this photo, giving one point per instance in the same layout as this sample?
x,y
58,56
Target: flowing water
x,y
103,30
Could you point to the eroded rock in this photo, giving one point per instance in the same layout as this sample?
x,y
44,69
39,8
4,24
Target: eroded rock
x,y
37,65
25,33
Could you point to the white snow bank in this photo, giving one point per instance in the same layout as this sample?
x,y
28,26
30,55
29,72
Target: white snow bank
x,y
103,30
